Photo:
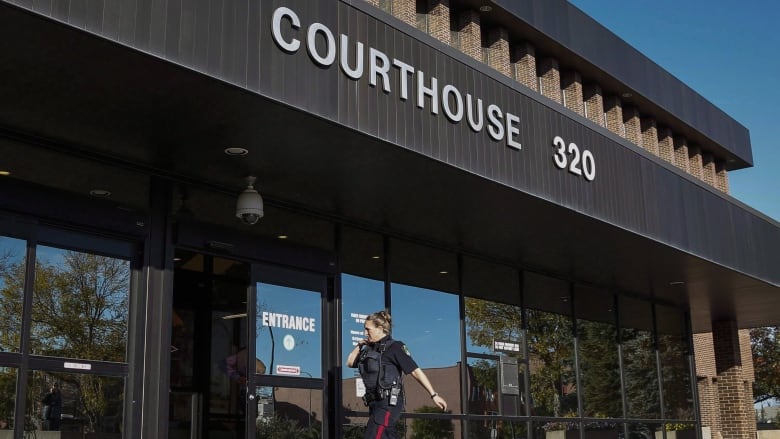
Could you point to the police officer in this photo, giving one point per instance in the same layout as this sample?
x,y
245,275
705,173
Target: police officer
x,y
381,362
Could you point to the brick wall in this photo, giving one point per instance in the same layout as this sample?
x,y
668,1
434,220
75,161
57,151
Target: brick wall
x,y
571,84
721,177
524,61
519,62
613,115
439,20
498,48
708,404
549,74
632,124
733,397
470,34
405,10
594,103
696,165
665,144
681,154
650,135
708,168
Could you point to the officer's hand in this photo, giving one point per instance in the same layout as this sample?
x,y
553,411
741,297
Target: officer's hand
x,y
440,402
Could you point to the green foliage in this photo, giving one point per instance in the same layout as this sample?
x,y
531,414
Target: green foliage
x,y
7,393
431,428
551,348
279,427
353,431
80,309
765,344
599,369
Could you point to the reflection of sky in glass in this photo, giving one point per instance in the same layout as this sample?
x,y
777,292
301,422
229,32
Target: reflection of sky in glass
x,y
14,250
428,322
292,345
50,255
361,297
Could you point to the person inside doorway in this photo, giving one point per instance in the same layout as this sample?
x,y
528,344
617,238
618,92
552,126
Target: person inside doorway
x,y
52,409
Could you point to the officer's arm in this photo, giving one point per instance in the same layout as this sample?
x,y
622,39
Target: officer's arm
x,y
353,355
421,378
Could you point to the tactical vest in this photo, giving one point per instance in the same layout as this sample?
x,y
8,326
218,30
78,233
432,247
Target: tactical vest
x,y
378,372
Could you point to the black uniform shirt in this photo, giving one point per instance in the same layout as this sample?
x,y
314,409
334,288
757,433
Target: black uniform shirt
x,y
396,353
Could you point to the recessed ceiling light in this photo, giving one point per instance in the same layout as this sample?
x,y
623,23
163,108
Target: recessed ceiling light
x,y
677,283
485,8
444,272
375,257
100,193
236,151
5,173
282,236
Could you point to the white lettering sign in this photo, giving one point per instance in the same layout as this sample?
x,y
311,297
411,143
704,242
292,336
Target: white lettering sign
x,y
501,124
287,321
79,366
579,162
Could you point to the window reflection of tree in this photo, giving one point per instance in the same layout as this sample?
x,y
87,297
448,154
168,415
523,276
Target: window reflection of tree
x,y
551,352
599,369
80,307
12,268
641,374
80,310
486,323
678,394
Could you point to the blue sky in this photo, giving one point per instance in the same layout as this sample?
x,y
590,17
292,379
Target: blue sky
x,y
729,52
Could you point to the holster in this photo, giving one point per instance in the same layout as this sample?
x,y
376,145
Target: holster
x,y
376,395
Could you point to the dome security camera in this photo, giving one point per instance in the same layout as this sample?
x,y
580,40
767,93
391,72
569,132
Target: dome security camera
x,y
249,207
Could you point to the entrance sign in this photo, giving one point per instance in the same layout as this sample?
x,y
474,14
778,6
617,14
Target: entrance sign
x,y
288,321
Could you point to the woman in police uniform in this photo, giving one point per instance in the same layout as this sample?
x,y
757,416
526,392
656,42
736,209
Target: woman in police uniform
x,y
382,361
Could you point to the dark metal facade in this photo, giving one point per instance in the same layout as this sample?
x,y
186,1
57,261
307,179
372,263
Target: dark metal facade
x,y
232,41
577,32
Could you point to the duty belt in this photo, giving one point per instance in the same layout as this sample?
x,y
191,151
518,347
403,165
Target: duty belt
x,y
376,395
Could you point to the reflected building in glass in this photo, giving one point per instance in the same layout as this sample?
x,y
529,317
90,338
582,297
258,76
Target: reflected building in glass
x,y
543,210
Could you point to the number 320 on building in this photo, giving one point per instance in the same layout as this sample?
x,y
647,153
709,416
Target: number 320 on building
x,y
577,161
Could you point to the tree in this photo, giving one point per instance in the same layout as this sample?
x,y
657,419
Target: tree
x,y
80,309
765,345
550,345
431,428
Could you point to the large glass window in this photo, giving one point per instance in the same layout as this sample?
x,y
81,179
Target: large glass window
x,y
362,293
80,305
12,269
425,317
7,397
598,353
494,340
550,346
90,405
289,319
639,359
288,413
674,352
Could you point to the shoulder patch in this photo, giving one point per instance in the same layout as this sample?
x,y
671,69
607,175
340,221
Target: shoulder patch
x,y
406,350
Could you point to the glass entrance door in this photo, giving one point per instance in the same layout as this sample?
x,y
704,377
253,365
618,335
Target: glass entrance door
x,y
246,350
287,393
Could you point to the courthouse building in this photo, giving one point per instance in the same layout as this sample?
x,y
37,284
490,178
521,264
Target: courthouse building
x,y
200,201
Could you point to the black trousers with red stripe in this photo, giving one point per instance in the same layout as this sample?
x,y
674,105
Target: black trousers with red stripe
x,y
382,418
